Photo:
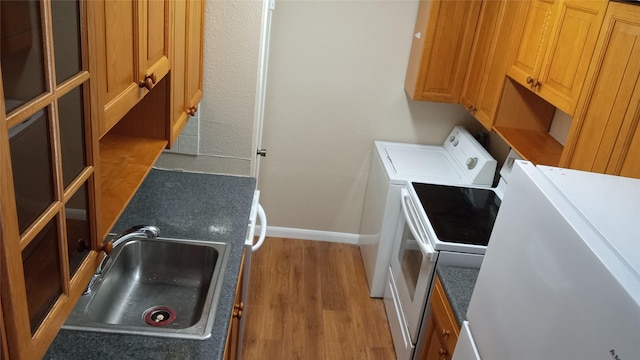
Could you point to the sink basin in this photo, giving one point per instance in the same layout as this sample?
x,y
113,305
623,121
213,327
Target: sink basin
x,y
158,287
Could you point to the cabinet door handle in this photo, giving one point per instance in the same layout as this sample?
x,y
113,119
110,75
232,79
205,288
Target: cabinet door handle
x,y
237,314
148,82
107,248
237,310
192,110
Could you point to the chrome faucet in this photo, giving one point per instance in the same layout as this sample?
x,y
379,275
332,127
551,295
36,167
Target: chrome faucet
x,y
148,231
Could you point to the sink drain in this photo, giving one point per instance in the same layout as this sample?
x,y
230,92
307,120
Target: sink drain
x,y
159,316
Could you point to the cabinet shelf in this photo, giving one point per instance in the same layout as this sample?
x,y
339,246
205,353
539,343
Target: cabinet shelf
x,y
523,121
125,162
533,145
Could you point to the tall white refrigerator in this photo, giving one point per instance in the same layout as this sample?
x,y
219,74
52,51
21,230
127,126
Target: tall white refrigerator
x,y
561,275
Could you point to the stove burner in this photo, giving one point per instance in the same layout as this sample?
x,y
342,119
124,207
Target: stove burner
x,y
459,214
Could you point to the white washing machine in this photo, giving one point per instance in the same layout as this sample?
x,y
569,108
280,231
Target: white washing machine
x,y
461,160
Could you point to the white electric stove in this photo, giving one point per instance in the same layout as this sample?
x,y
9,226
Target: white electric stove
x,y
441,225
460,160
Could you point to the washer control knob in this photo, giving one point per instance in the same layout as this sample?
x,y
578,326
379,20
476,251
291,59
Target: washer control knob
x,y
472,162
455,143
451,138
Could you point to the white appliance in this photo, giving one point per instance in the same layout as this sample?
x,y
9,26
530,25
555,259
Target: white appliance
x,y
257,213
460,160
561,276
439,225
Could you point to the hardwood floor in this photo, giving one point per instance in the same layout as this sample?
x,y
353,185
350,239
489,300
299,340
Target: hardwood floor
x,y
310,300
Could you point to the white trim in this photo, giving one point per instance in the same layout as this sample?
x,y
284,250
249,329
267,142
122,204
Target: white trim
x,y
261,86
305,234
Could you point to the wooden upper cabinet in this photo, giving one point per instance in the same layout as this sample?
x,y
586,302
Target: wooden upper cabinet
x,y
48,173
534,40
492,53
605,136
555,49
179,107
195,44
131,45
186,59
631,160
442,42
154,49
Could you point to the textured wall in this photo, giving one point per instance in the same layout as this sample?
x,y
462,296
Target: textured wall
x,y
232,39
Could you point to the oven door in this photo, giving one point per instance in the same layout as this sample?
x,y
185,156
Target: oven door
x,y
412,265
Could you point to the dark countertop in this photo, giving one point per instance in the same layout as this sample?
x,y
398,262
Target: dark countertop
x,y
458,283
183,205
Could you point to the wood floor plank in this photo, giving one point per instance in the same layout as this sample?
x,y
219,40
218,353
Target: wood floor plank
x,y
311,304
338,344
333,281
310,300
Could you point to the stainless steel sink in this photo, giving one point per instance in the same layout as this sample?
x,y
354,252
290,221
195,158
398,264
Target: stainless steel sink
x,y
158,287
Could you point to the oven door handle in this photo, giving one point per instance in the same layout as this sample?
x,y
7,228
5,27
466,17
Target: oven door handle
x,y
411,217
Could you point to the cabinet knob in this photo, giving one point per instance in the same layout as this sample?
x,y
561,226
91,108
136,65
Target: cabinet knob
x,y
83,244
148,82
443,352
237,310
446,333
536,83
192,110
108,247
529,80
237,314
417,35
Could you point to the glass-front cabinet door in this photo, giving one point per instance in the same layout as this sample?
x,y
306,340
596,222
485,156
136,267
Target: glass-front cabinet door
x,y
47,183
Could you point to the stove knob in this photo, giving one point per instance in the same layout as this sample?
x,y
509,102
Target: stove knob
x,y
451,138
472,162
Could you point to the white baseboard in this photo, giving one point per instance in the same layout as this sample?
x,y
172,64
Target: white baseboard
x,y
304,234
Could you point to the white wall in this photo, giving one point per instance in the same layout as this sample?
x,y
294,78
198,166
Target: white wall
x,y
336,77
335,84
